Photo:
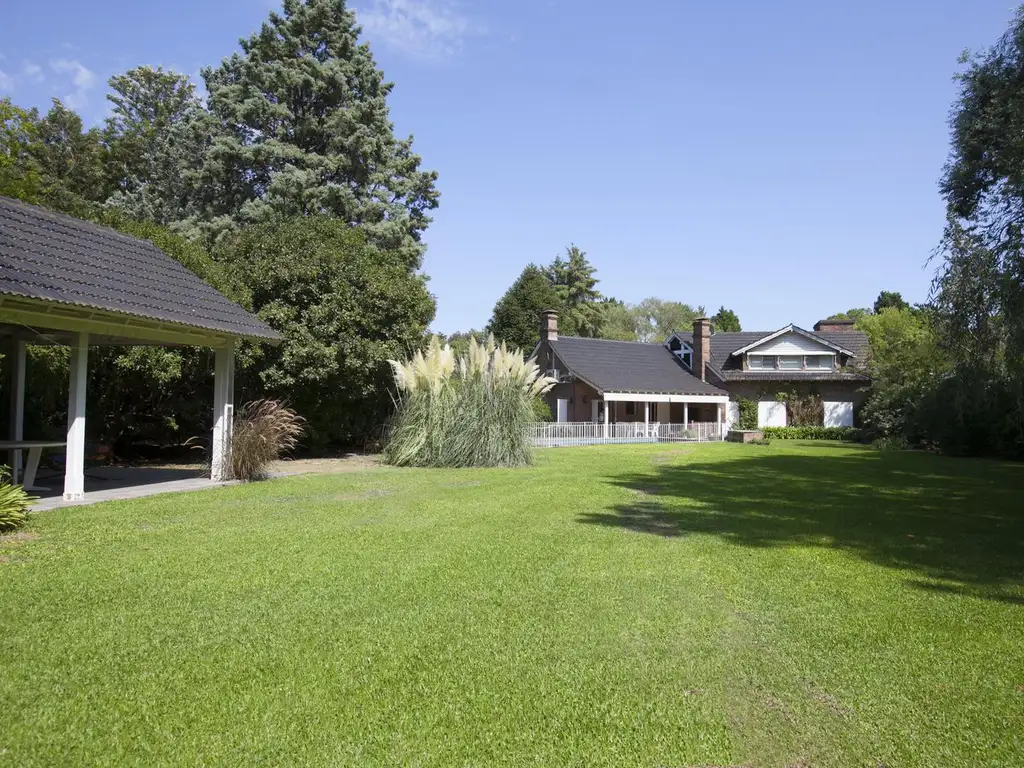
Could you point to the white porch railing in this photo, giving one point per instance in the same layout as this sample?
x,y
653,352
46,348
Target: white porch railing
x,y
550,435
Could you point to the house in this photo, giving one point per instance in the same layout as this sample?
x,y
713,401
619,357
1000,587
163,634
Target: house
x,y
699,376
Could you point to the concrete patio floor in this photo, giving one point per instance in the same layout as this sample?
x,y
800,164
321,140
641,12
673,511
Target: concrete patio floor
x,y
115,483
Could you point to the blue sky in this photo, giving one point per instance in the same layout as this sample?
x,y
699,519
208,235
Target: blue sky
x,y
778,158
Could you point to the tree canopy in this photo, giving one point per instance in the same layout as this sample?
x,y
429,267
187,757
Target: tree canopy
x,y
302,127
516,316
726,320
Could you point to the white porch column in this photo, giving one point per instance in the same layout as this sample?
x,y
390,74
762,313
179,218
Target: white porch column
x,y
17,415
74,466
223,412
686,415
607,405
718,410
647,415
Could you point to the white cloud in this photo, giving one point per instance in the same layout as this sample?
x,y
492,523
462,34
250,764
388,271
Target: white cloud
x,y
32,72
424,28
82,78
6,82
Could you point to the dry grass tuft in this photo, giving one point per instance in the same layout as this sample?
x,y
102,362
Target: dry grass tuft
x,y
264,430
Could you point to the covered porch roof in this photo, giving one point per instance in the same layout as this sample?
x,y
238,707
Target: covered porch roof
x,y
71,282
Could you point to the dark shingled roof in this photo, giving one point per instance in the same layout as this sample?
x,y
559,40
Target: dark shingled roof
x,y
729,368
629,366
49,256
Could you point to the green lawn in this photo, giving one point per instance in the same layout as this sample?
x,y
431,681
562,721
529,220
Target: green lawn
x,y
796,604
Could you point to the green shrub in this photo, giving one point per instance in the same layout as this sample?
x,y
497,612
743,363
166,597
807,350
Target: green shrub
x,y
263,431
890,443
14,503
748,414
470,412
541,410
812,433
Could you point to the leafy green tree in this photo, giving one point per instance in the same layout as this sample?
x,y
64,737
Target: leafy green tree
x,y
19,144
726,320
890,299
617,321
516,317
657,319
70,162
156,135
303,128
979,289
344,307
905,364
459,341
854,314
576,287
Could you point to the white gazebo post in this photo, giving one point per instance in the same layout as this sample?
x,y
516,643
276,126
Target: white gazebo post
x,y
686,415
17,420
74,467
606,405
223,411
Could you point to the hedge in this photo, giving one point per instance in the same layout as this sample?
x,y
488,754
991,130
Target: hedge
x,y
812,433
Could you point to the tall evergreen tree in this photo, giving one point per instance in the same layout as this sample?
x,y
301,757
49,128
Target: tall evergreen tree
x,y
576,287
890,300
303,128
726,320
516,316
156,137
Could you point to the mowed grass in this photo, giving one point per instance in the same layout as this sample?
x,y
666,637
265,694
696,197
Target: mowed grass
x,y
790,605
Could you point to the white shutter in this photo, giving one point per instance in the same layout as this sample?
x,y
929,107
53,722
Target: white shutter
x,y
838,414
771,413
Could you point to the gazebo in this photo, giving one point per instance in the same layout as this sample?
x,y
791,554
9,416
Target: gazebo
x,y
71,282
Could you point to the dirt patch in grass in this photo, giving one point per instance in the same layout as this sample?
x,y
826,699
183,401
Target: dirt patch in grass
x,y
11,542
667,457
828,700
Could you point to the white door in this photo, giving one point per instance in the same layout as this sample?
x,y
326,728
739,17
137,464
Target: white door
x,y
771,413
563,409
732,414
838,414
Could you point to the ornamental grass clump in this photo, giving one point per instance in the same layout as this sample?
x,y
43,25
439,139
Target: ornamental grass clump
x,y
264,430
467,412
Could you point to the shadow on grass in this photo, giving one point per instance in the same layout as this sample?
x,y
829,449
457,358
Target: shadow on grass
x,y
959,522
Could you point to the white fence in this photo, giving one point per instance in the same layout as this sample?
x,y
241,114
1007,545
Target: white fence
x,y
550,435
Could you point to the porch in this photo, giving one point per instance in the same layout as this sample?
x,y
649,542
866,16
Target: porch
x,y
566,434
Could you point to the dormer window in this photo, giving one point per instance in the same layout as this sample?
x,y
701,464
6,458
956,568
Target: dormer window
x,y
683,351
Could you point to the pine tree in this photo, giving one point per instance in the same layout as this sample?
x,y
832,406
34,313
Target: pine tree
x,y
303,128
156,137
576,287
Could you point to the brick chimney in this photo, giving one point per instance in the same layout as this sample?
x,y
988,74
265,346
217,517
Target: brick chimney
x,y
549,325
701,347
829,326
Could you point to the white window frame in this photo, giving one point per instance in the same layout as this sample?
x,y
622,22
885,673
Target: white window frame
x,y
798,359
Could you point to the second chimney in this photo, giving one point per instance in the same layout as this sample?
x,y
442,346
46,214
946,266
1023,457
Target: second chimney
x,y
549,325
701,346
